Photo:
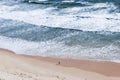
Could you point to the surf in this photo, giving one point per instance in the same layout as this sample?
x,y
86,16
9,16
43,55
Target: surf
x,y
89,30
71,17
20,37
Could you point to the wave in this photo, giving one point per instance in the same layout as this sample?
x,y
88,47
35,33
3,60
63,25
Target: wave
x,y
17,29
102,16
57,49
91,31
74,0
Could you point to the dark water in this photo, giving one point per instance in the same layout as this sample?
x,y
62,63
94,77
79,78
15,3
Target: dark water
x,y
73,3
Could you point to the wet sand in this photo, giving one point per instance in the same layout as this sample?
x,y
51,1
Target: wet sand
x,y
22,67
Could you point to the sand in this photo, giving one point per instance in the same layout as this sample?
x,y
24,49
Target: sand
x,y
21,67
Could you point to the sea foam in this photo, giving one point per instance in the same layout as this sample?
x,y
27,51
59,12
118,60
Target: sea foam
x,y
73,18
90,32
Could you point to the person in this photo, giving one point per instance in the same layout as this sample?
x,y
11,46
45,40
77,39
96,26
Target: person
x,y
58,63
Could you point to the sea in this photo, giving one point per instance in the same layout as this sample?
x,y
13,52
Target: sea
x,y
76,29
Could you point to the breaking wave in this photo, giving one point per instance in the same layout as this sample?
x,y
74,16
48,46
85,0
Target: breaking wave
x,y
47,41
78,29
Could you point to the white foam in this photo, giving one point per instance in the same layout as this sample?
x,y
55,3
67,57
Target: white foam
x,y
66,18
117,61
58,49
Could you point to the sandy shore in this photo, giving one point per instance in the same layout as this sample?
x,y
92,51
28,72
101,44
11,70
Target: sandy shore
x,y
21,67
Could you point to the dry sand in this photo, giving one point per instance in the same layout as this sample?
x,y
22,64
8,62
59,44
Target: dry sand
x,y
21,67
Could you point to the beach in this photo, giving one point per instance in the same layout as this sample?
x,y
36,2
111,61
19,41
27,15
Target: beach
x,y
59,40
23,67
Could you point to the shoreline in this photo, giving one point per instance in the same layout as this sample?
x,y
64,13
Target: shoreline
x,y
81,64
87,65
47,68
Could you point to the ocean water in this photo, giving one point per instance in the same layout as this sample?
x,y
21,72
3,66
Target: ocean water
x,y
79,29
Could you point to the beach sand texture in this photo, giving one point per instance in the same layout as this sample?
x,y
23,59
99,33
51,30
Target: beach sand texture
x,y
21,67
